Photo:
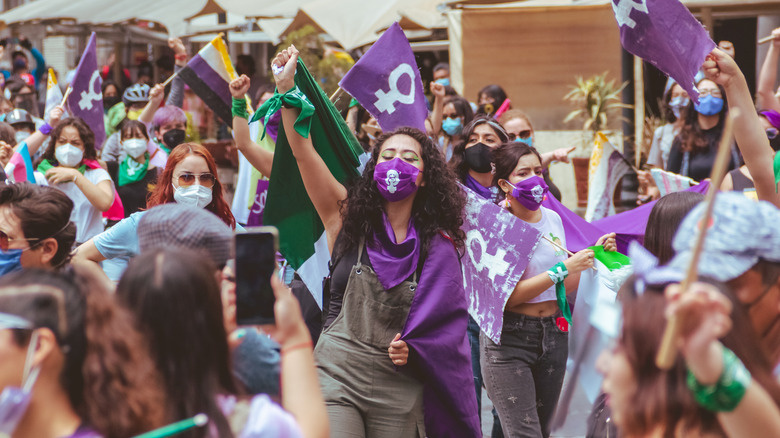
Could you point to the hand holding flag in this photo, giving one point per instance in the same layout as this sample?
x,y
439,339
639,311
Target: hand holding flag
x,y
283,67
720,68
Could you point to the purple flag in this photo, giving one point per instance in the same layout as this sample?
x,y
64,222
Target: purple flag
x,y
86,98
664,33
629,225
439,354
256,212
387,83
498,249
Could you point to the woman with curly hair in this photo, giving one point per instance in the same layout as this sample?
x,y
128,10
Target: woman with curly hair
x,y
524,373
395,287
70,164
189,177
72,361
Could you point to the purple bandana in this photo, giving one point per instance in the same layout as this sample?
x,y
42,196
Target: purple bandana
x,y
393,262
272,128
530,192
396,179
478,188
773,117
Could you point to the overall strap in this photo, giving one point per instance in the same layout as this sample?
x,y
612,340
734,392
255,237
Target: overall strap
x,y
360,250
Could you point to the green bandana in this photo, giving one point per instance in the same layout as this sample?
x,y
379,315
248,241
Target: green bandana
x,y
294,98
131,171
777,170
557,274
45,165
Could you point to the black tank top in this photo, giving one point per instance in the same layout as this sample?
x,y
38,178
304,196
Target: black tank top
x,y
740,181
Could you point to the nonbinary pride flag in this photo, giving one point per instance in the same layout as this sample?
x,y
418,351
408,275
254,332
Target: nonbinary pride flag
x,y
86,98
607,166
302,239
665,34
209,74
387,83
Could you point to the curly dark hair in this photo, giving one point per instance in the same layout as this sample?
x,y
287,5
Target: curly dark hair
x,y
86,134
691,135
438,204
458,160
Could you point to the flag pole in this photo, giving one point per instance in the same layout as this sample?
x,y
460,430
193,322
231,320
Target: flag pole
x,y
639,110
170,78
336,94
563,249
766,39
65,97
668,350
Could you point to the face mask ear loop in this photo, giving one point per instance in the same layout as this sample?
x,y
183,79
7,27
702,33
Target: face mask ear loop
x,y
29,377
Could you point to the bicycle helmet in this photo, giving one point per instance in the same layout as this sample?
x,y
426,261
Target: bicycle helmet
x,y
20,116
136,93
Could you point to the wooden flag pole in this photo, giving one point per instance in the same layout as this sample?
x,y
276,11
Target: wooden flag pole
x,y
336,94
65,97
639,110
766,39
668,350
562,248
170,78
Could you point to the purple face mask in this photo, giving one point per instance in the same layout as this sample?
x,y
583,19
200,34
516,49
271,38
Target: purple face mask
x,y
396,179
530,192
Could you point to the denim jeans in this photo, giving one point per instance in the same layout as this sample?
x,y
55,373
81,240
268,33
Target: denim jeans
x,y
473,333
524,374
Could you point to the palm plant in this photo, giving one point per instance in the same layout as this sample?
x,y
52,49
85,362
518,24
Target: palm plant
x,y
597,99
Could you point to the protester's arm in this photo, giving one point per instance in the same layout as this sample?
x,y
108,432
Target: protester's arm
x,y
156,95
765,89
438,92
176,95
40,62
36,139
705,313
100,195
259,157
88,252
530,288
748,132
301,395
560,155
325,191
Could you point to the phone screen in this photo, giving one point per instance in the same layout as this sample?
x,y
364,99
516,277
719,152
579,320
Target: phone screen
x,y
255,264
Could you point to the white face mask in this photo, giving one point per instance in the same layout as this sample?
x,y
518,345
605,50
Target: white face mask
x,y
68,155
135,147
194,195
21,136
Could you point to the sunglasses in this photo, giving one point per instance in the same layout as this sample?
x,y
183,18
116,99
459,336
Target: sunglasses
x,y
771,133
522,134
204,179
5,240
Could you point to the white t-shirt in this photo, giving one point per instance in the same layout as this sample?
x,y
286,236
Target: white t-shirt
x,y
546,255
88,219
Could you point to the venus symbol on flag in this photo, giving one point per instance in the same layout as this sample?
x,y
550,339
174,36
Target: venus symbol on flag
x,y
386,101
494,263
623,10
90,95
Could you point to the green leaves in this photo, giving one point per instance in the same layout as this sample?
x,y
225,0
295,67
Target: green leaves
x,y
596,99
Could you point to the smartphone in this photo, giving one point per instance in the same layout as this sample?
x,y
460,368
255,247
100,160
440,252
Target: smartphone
x,y
256,249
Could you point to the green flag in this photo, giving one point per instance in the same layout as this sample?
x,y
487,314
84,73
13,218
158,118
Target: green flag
x,y
302,238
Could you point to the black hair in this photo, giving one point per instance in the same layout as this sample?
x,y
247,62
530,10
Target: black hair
x,y
43,212
438,203
441,66
496,92
458,160
665,217
175,298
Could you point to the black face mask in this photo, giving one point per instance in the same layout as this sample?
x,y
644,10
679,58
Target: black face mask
x,y
775,143
173,138
479,157
109,102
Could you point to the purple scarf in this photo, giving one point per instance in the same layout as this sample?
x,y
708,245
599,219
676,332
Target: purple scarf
x,y
393,262
478,188
439,352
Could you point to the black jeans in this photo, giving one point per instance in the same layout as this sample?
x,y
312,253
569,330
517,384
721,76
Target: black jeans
x,y
524,374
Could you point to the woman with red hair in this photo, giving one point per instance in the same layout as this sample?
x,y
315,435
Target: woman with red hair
x,y
189,177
